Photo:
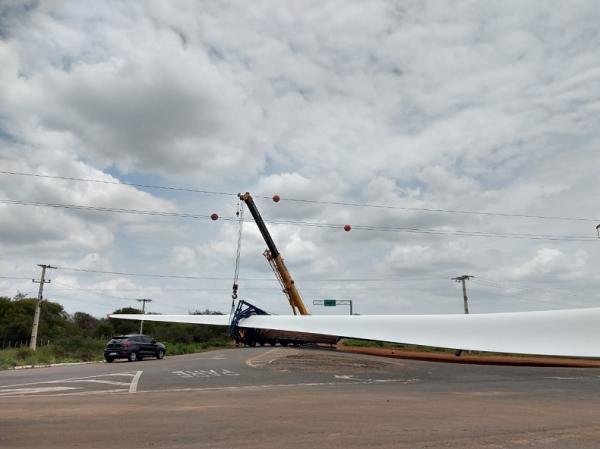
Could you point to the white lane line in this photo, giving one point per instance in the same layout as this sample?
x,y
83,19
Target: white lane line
x,y
98,381
274,386
79,393
261,359
71,379
230,388
21,391
251,362
134,382
567,378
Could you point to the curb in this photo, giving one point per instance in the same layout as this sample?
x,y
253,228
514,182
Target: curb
x,y
51,365
539,361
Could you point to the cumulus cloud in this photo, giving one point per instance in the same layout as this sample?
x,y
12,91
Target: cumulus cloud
x,y
551,262
417,104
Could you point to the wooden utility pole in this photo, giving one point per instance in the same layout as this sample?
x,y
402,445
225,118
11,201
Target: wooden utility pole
x,y
462,279
143,301
38,306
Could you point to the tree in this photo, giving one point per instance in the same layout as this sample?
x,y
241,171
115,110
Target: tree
x,y
125,326
86,323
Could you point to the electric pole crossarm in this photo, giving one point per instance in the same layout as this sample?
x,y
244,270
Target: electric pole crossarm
x,y
462,279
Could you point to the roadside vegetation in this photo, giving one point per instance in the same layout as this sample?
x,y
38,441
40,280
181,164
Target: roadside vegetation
x,y
81,337
398,346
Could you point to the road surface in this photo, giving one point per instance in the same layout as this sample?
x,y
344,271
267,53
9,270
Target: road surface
x,y
290,398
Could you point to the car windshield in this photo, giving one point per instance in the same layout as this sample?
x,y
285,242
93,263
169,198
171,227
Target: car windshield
x,y
120,337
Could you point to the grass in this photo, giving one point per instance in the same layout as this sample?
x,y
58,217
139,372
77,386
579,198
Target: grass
x,y
190,348
44,355
87,350
404,347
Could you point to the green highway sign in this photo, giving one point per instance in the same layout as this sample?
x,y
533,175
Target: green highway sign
x,y
329,302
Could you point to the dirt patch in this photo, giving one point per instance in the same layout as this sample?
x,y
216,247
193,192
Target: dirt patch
x,y
475,359
330,363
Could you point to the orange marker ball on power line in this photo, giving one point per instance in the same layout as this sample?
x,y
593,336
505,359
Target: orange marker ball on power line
x,y
276,198
347,228
214,217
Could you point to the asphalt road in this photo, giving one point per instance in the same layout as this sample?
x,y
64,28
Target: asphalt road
x,y
289,398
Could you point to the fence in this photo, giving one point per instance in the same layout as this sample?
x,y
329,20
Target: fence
x,y
9,344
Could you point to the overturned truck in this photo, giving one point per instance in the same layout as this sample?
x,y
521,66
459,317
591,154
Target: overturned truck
x,y
251,337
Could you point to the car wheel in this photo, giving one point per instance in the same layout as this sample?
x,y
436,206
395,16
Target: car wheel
x,y
133,356
160,354
109,360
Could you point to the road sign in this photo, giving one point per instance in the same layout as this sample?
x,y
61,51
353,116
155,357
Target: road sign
x,y
333,303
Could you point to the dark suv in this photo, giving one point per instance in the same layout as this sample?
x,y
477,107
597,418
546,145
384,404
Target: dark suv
x,y
133,347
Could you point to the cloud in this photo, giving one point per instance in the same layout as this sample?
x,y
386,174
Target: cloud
x,y
414,104
551,262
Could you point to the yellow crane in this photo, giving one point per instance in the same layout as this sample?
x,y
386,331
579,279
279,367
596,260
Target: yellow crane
x,y
274,258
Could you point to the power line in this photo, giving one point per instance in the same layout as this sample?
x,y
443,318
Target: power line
x,y
301,200
220,278
155,275
106,209
461,233
119,183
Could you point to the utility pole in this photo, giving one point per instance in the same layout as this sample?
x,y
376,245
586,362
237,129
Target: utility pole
x,y
143,301
38,306
462,279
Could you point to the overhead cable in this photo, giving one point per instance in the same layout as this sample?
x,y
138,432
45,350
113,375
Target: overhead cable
x,y
551,237
310,201
173,276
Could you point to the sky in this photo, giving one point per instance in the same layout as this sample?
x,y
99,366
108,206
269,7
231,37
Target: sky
x,y
391,116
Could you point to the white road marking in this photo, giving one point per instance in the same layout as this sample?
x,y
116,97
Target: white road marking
x,y
229,388
70,379
218,357
273,386
134,382
567,378
98,381
358,379
79,393
22,391
204,373
262,359
41,386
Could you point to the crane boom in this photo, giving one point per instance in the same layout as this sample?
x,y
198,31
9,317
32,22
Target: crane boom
x,y
275,260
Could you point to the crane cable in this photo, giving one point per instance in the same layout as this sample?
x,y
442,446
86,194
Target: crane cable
x,y
240,215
